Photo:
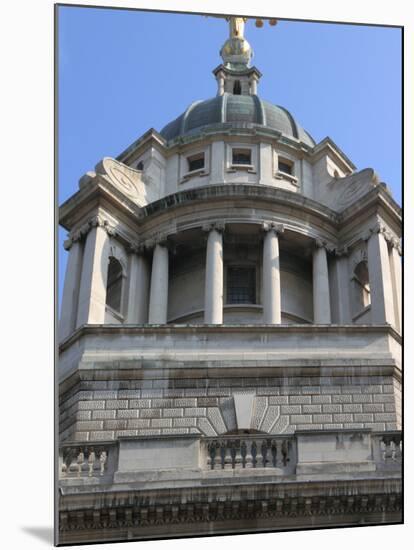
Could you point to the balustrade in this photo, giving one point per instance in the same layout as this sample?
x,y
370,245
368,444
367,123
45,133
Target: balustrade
x,y
227,453
84,461
389,445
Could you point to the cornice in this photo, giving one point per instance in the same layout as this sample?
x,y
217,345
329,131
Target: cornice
x,y
217,192
151,136
348,501
201,330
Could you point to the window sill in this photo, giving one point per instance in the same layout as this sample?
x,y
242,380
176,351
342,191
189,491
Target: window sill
x,y
115,313
361,313
246,167
284,176
199,172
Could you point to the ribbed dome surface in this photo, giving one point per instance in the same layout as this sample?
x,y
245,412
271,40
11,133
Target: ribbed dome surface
x,y
240,111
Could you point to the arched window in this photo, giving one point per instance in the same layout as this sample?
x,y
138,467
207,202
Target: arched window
x,y
114,284
237,87
140,165
361,282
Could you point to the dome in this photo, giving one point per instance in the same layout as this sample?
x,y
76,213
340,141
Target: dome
x,y
235,111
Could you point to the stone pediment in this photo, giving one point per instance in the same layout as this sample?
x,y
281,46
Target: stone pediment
x,y
340,193
129,181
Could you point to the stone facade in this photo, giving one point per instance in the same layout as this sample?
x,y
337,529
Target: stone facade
x,y
230,331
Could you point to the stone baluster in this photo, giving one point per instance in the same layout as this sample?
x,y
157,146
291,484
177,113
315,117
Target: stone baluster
x,y
80,462
158,302
321,296
213,298
91,462
271,274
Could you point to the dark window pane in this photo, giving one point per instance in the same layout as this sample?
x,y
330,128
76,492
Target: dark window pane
x,y
241,285
285,167
237,88
195,163
114,284
242,157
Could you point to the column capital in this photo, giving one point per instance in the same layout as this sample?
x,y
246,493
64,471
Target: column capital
x,y
136,248
75,236
320,243
161,239
341,251
277,228
396,243
214,226
378,227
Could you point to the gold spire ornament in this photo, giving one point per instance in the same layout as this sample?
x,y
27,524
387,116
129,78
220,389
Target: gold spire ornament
x,y
236,25
236,52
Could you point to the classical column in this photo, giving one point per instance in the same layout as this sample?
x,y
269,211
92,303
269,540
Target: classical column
x,y
271,275
69,306
321,298
92,292
395,263
339,281
213,297
382,306
138,291
158,302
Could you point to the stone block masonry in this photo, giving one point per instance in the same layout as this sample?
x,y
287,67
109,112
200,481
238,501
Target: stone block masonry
x,y
280,405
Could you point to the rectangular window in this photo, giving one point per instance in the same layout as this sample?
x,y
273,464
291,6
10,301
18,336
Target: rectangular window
x,y
196,162
241,285
285,166
242,156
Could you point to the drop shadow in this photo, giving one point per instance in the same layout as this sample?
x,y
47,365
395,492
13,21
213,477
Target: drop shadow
x,y
43,533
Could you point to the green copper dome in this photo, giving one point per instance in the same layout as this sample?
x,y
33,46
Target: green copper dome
x,y
235,111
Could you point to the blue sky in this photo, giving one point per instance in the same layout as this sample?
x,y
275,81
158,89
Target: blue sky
x,y
122,72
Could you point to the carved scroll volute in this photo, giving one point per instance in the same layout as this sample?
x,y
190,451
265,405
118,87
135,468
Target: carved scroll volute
x,y
127,180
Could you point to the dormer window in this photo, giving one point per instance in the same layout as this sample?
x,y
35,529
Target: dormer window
x,y
195,162
285,166
242,156
140,165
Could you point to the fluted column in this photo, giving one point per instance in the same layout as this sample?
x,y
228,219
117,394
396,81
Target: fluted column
x,y
271,275
138,293
92,292
382,303
69,306
321,297
158,302
213,297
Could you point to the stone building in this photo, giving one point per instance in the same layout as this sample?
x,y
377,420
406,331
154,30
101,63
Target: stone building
x,y
230,329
